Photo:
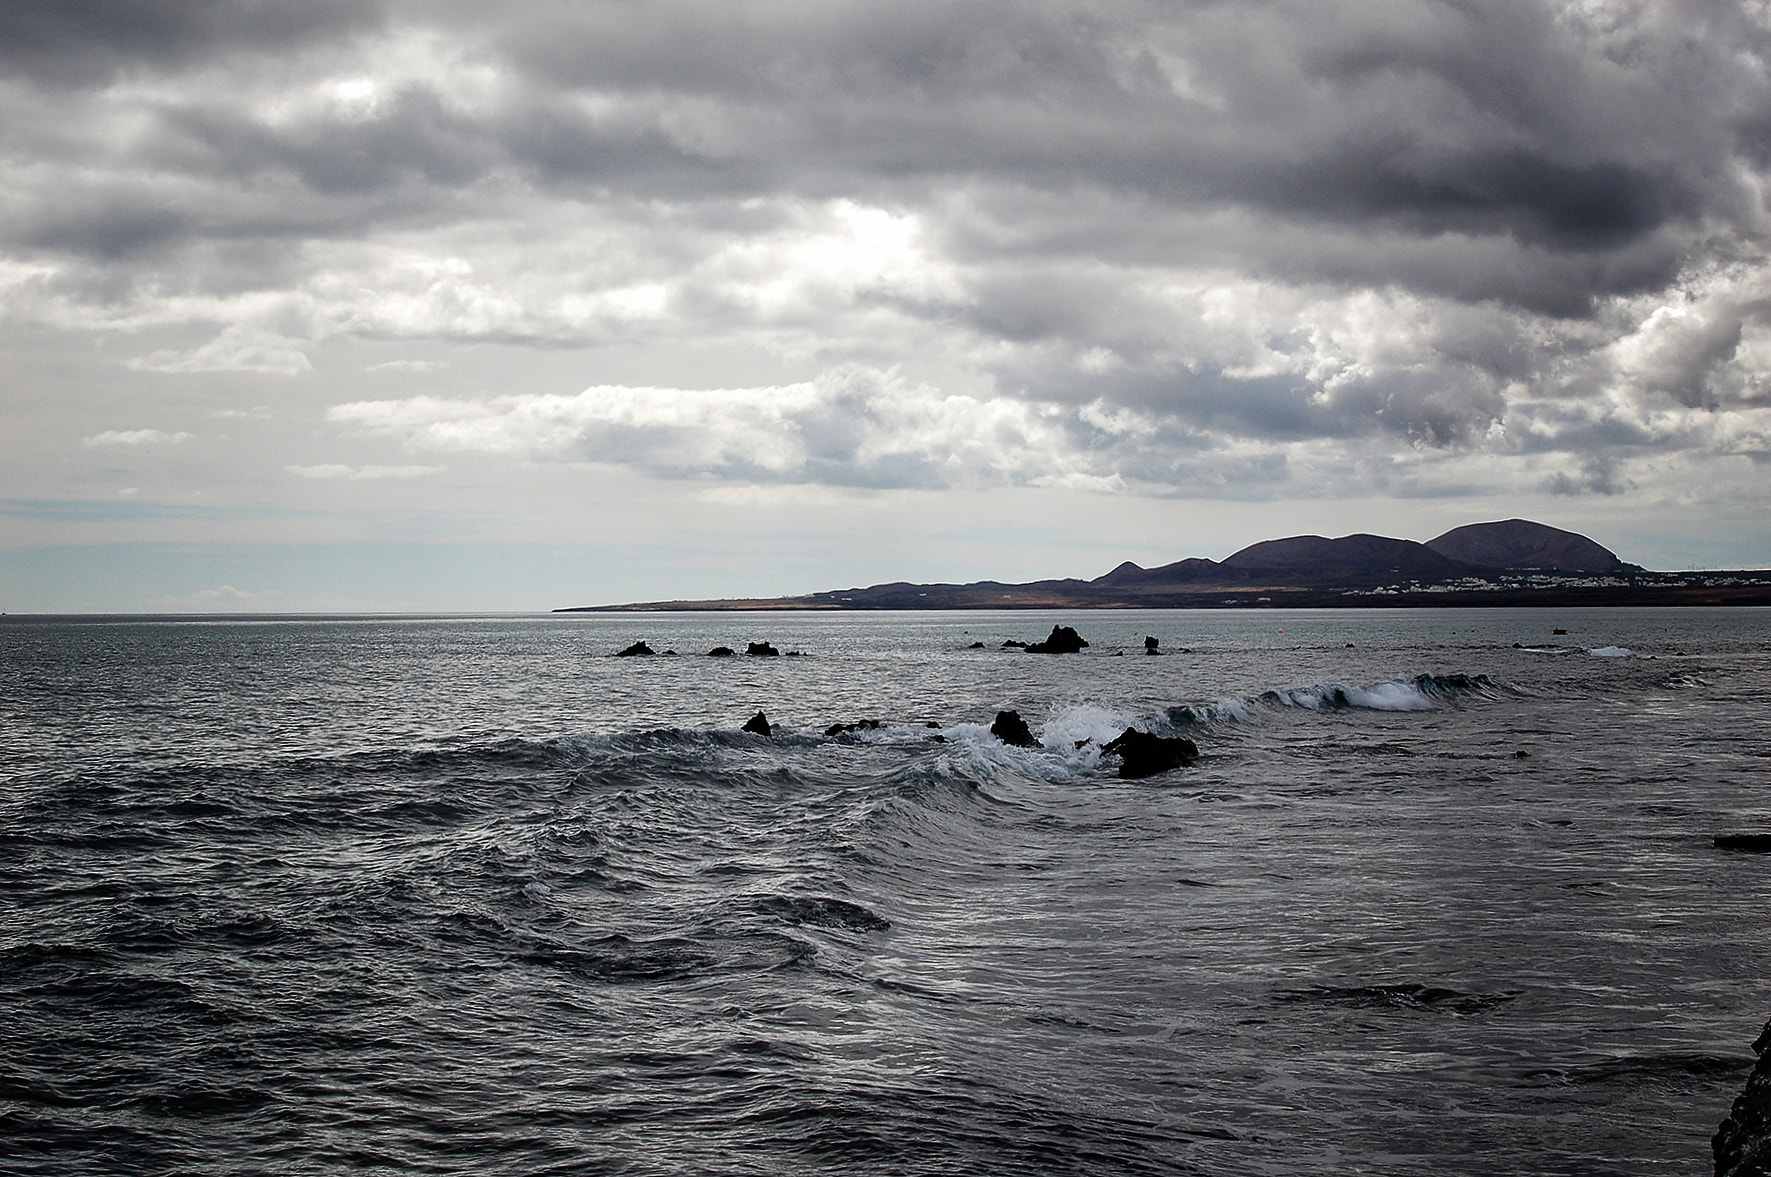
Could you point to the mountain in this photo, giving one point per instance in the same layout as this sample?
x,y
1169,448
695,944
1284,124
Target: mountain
x,y
1311,560
1190,571
1510,562
1519,545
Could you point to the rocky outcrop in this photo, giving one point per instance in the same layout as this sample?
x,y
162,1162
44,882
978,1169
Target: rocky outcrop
x,y
860,725
1742,1145
637,650
720,652
1150,646
762,650
1143,755
758,725
1063,640
1011,729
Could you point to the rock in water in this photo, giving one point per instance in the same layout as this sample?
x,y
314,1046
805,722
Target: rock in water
x,y
1142,754
1011,729
720,652
758,725
1742,1145
1756,843
762,650
860,725
1150,645
1063,640
638,649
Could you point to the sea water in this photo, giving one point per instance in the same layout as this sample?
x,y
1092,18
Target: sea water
x,y
470,895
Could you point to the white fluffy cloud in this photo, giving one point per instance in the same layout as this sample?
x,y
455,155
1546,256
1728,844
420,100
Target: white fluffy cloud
x,y
334,471
136,437
850,426
239,348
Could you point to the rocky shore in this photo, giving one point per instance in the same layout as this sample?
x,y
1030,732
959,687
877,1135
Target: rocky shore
x,y
1742,1145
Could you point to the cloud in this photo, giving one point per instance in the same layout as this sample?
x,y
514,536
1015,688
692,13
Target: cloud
x,y
226,596
236,349
1199,248
849,427
407,366
333,471
135,437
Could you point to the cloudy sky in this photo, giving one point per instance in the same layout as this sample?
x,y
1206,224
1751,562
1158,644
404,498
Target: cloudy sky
x,y
377,304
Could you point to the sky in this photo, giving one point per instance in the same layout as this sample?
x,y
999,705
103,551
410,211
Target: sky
x,y
389,305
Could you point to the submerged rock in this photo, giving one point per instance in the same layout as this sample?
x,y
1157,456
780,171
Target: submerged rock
x,y
976,646
1142,754
1063,640
1742,1143
758,725
1011,729
761,650
1756,843
720,652
637,650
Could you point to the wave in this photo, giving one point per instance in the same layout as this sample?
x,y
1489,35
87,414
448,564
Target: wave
x,y
1424,692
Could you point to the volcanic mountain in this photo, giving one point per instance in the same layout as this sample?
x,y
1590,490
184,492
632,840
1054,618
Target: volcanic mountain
x,y
1520,545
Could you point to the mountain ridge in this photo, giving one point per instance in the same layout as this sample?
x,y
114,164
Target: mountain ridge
x,y
1509,561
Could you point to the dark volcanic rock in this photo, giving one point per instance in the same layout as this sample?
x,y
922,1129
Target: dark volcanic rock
x,y
1012,644
1520,545
1063,640
1150,645
1757,843
1142,754
1010,728
762,650
637,650
758,725
1742,1144
860,725
720,652
976,646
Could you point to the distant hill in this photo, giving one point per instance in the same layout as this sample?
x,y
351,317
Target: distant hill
x,y
1311,560
1498,563
1520,545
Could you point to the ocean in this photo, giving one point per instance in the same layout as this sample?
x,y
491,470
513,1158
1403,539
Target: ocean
x,y
470,895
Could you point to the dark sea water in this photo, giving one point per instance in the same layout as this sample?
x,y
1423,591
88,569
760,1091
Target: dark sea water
x,y
467,895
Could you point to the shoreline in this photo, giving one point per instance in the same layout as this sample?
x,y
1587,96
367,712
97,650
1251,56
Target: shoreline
x,y
939,598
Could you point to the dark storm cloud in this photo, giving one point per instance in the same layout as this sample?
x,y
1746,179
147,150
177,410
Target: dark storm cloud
x,y
85,42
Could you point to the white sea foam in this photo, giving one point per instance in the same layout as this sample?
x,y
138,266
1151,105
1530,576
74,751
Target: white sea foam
x,y
1386,696
1067,726
1389,696
1611,652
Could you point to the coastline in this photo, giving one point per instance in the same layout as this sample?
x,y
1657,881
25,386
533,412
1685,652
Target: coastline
x,y
1753,591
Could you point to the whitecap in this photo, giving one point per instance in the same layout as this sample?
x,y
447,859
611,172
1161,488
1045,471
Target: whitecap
x,y
1611,652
